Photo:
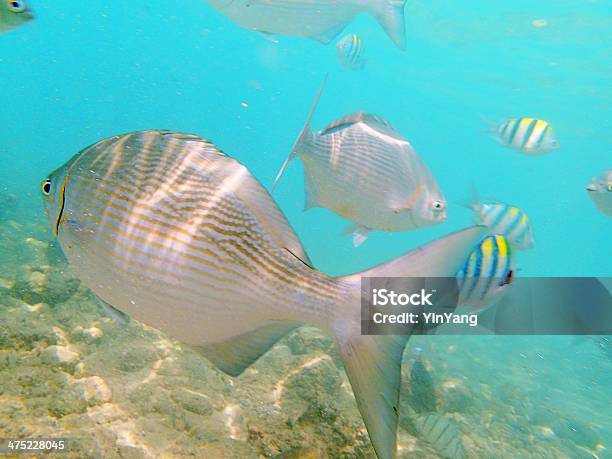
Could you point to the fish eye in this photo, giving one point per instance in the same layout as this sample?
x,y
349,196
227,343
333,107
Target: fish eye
x,y
610,186
438,205
16,6
46,187
508,279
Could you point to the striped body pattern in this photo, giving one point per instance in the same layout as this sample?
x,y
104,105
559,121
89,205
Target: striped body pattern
x,y
507,220
529,135
166,219
166,228
320,20
486,273
443,436
350,51
362,169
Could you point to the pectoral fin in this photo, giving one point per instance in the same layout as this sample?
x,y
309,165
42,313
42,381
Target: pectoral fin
x,y
234,355
360,233
112,312
328,35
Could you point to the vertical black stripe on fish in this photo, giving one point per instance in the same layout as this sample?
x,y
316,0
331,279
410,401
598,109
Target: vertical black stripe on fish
x,y
62,205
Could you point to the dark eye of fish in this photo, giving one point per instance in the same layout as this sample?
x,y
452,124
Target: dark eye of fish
x,y
46,187
508,279
17,6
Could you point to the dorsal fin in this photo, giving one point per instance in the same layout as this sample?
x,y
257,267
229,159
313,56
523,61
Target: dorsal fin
x,y
374,121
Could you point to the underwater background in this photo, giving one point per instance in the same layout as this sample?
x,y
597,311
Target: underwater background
x,y
80,73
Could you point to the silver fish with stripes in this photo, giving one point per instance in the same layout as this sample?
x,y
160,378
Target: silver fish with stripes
x,y
487,273
321,20
350,52
443,435
600,191
506,220
169,230
528,135
364,170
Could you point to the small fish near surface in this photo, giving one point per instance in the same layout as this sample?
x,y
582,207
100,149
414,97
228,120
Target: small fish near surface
x,y
364,170
14,13
166,228
442,434
504,219
531,136
487,273
350,52
600,191
320,20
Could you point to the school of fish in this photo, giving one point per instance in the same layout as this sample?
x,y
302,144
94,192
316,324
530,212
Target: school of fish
x,y
165,227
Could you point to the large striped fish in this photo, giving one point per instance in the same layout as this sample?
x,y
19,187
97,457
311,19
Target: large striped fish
x,y
321,20
600,191
364,170
13,13
166,228
528,135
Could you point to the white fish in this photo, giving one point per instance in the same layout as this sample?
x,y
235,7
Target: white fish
x,y
321,20
600,191
350,51
166,228
528,135
14,13
362,169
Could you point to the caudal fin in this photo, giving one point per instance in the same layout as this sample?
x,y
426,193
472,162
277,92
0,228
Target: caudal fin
x,y
373,363
304,133
473,200
390,15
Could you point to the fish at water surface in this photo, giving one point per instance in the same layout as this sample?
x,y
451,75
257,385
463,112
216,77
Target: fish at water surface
x,y
364,170
321,20
168,229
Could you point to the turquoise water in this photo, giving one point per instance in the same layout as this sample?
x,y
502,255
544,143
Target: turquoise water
x,y
82,72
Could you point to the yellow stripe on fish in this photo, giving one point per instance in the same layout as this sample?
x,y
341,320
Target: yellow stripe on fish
x,y
486,272
529,135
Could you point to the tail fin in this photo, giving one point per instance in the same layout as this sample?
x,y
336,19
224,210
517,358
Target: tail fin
x,y
390,15
490,126
373,363
305,132
473,200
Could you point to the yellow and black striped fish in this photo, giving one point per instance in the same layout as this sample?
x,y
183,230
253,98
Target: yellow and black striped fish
x,y
486,273
165,227
529,135
350,51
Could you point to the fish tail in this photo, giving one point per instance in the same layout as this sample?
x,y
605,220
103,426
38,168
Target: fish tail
x,y
390,15
373,363
305,133
489,126
472,202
